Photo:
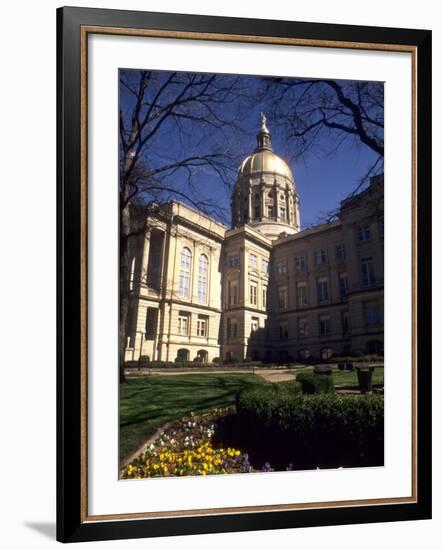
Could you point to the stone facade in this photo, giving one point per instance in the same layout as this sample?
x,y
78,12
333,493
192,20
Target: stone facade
x,y
262,290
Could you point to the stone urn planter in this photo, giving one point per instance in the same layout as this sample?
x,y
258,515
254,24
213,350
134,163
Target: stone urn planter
x,y
364,375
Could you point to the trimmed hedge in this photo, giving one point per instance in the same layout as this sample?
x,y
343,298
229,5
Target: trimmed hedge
x,y
194,365
281,426
357,359
315,383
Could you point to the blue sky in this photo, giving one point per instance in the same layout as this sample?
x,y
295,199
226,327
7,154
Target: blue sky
x,y
322,179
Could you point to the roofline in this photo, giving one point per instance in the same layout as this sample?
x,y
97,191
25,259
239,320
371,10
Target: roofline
x,y
199,212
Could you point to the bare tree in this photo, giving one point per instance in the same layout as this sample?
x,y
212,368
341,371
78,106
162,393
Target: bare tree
x,y
175,129
320,116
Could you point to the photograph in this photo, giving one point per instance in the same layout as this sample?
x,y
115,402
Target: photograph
x,y
251,273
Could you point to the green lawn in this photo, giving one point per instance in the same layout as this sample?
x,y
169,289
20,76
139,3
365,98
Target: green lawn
x,y
349,378
149,402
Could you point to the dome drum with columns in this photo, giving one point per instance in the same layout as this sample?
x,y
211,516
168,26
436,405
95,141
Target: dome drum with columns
x,y
265,196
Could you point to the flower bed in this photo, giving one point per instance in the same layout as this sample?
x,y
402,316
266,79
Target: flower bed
x,y
185,449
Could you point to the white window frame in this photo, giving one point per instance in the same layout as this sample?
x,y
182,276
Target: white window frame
x,y
281,266
185,272
202,325
367,271
364,233
184,324
322,284
303,327
299,263
255,324
324,321
340,252
300,302
253,289
203,272
282,304
343,284
321,257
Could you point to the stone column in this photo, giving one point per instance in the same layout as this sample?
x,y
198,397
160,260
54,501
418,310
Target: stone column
x,y
145,257
164,267
263,200
297,212
288,207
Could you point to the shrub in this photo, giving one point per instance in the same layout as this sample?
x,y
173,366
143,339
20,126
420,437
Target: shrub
x,y
315,383
144,361
309,430
216,360
357,359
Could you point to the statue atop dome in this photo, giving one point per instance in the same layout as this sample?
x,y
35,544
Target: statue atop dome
x,y
264,136
264,128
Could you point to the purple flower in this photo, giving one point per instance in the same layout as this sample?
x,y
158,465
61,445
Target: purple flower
x,y
266,467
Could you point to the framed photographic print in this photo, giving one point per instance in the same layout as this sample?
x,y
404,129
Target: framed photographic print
x,y
244,330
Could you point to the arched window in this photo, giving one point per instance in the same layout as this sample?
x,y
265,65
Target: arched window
x,y
182,355
202,356
185,272
203,279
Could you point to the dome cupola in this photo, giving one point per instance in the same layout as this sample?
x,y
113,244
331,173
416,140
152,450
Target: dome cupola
x,y
265,196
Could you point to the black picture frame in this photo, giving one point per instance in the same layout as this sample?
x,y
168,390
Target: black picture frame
x,y
72,526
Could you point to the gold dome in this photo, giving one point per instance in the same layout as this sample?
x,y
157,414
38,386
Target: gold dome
x,y
265,160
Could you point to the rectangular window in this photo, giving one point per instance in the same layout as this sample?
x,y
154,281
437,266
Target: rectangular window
x,y
302,294
202,325
321,257
303,328
265,266
299,262
232,328
322,290
151,323
372,313
345,321
343,284
283,331
270,211
253,294
325,325
367,272
281,266
233,261
340,252
282,298
265,296
232,293
257,212
282,213
364,233
203,279
254,324
253,261
183,323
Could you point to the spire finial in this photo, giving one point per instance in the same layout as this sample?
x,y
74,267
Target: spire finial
x,y
264,128
264,136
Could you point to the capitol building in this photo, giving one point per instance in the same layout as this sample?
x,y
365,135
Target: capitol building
x,y
263,289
